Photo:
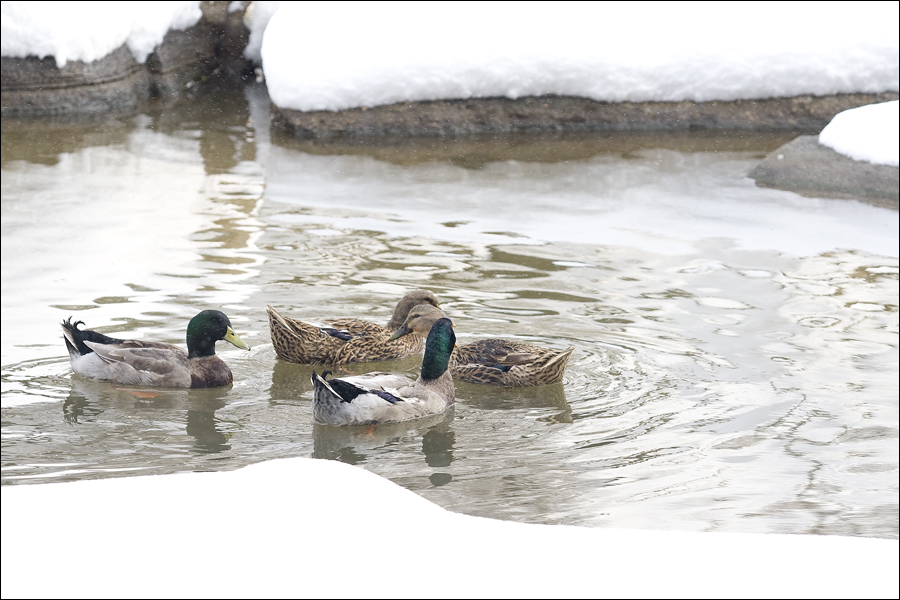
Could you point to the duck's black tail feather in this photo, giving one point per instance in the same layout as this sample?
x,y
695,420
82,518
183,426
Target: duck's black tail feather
x,y
75,337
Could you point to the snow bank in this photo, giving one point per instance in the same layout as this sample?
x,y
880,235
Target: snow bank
x,y
870,133
88,31
315,528
331,57
260,12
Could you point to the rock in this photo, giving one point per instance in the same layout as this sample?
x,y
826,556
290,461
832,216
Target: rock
x,y
185,59
33,86
806,167
569,114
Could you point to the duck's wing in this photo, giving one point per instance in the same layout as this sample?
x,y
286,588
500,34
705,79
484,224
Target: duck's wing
x,y
331,331
344,329
508,363
134,362
491,352
357,327
370,342
383,385
372,398
336,341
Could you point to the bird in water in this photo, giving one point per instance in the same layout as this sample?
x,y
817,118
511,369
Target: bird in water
x,y
346,340
384,397
493,361
133,362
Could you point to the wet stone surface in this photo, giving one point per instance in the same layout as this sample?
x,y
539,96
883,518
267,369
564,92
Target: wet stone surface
x,y
548,114
809,168
117,83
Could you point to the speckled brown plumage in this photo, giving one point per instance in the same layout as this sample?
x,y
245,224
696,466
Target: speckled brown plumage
x,y
493,361
511,364
305,343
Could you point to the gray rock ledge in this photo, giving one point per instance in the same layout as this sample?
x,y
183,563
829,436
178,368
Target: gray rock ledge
x,y
35,86
568,114
811,169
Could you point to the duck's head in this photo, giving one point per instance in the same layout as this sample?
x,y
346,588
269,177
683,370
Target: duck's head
x,y
438,347
407,302
419,321
206,329
416,297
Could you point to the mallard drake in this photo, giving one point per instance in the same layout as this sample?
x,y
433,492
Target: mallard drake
x,y
493,361
346,340
133,362
386,398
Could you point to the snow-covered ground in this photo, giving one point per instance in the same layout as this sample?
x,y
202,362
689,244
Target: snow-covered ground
x,y
88,31
324,56
384,53
870,133
332,56
257,19
315,528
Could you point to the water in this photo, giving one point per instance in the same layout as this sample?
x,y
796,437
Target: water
x,y
736,348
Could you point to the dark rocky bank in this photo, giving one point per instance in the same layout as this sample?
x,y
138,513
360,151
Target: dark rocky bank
x,y
180,65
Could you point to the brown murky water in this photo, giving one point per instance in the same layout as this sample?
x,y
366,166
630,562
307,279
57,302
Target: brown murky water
x,y
736,353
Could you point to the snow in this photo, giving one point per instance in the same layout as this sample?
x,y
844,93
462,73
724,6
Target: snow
x,y
259,13
316,528
324,56
88,31
870,133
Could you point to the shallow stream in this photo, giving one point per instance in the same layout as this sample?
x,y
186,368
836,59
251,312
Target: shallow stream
x,y
736,348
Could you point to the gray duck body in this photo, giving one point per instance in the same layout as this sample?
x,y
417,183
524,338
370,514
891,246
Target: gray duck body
x,y
384,397
133,362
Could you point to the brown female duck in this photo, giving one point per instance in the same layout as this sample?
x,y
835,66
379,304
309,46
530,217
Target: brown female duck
x,y
493,361
347,340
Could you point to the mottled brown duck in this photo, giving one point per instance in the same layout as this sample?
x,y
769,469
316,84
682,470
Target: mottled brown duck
x,y
347,340
493,361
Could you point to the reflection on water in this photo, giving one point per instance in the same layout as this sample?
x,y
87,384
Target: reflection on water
x,y
477,151
202,424
736,348
124,428
356,445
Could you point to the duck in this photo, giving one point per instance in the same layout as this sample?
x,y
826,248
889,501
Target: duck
x,y
346,340
380,397
493,361
133,362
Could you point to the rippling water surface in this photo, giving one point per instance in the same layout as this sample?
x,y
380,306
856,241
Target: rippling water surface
x,y
736,355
